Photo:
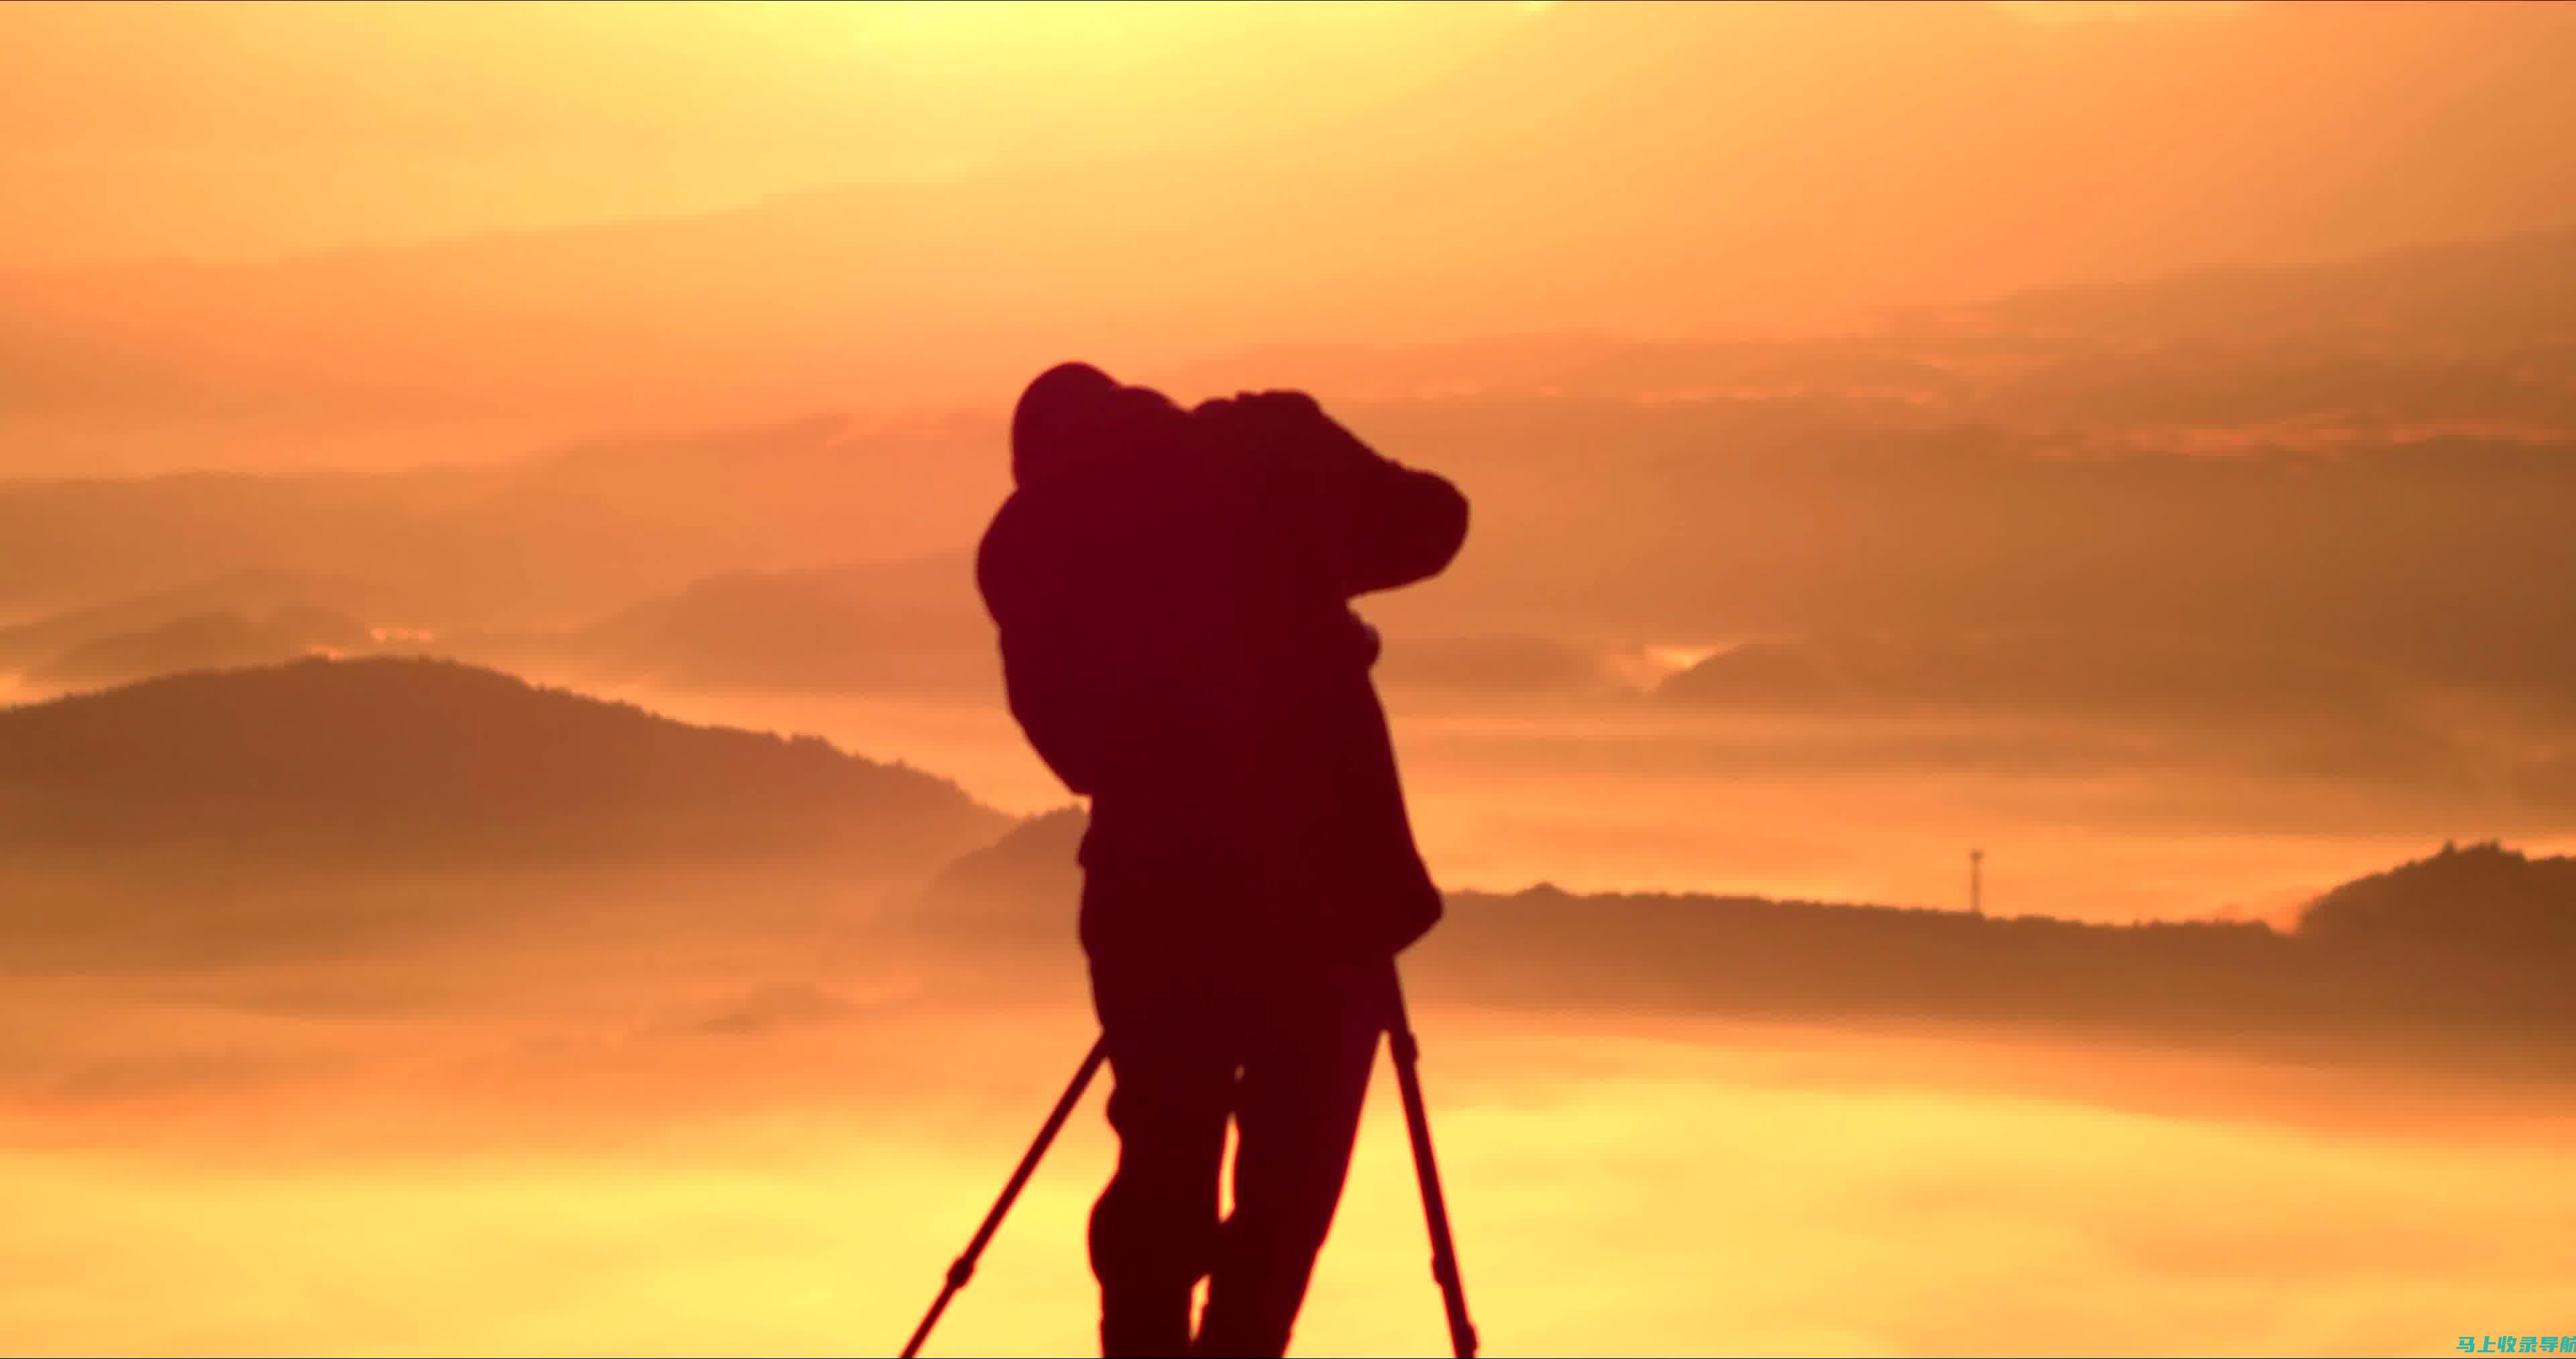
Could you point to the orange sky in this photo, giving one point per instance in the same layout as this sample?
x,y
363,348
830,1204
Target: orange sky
x,y
594,218
245,130
241,130
938,196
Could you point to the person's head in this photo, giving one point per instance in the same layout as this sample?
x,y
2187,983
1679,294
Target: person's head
x,y
1074,415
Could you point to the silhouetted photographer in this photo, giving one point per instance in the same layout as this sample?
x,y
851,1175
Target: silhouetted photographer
x,y
1172,589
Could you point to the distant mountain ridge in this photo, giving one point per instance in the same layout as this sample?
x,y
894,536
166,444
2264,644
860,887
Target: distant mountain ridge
x,y
2353,972
1962,444
243,592
853,628
2481,899
432,762
2103,673
2500,293
219,640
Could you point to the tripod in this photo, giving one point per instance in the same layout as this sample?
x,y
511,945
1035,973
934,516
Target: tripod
x,y
964,1268
1435,1208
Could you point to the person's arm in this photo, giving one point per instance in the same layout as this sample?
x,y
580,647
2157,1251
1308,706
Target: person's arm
x,y
1050,715
1045,675
1382,524
1407,525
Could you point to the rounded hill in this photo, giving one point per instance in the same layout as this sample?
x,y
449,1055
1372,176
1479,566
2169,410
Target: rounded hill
x,y
409,756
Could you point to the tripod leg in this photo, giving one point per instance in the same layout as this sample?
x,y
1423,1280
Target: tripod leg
x,y
964,1268
1435,1208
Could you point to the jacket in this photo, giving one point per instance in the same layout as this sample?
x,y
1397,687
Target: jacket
x,y
1178,645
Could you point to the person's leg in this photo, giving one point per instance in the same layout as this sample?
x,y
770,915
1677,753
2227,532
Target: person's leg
x,y
1309,1053
1171,1082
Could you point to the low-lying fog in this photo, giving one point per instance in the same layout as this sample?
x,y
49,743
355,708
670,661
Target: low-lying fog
x,y
556,1138
732,1112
